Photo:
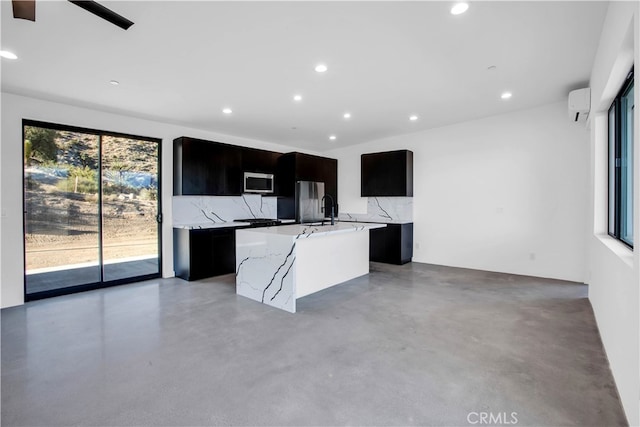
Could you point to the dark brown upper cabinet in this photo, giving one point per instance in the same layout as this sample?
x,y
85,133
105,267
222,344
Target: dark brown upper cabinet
x,y
206,168
261,161
215,169
389,173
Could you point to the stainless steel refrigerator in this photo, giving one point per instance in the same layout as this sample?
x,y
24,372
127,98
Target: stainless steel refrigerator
x,y
309,196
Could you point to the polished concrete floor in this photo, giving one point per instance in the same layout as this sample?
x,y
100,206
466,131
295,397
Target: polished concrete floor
x,y
406,345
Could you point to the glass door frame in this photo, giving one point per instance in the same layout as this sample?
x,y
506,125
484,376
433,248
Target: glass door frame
x,y
101,284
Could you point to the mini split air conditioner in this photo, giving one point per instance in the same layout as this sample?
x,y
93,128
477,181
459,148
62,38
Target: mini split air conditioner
x,y
579,104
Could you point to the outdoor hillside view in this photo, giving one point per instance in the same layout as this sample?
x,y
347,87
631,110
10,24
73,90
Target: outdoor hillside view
x,y
64,221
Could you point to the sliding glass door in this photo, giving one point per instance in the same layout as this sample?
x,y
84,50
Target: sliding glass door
x,y
130,244
91,206
62,231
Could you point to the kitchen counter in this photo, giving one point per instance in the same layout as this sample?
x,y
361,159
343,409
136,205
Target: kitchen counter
x,y
226,224
278,265
207,225
353,218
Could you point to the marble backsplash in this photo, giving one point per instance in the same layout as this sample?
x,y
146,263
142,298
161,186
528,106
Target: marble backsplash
x,y
384,209
220,209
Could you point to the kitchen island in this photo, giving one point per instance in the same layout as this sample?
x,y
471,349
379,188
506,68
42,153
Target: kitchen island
x,y
278,265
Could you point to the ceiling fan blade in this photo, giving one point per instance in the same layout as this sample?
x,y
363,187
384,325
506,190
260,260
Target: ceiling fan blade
x,y
24,9
104,13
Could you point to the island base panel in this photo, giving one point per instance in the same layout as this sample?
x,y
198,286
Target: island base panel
x,y
328,261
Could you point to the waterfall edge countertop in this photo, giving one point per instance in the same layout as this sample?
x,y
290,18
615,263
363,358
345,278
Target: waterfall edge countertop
x,y
278,265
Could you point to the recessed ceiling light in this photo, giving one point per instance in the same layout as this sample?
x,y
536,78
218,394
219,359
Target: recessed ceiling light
x,y
347,115
8,55
413,118
332,137
506,95
227,110
114,82
321,68
459,8
297,98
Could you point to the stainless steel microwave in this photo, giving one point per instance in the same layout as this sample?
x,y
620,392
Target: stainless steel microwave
x,y
255,182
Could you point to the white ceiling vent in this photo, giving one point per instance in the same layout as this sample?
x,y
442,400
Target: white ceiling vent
x,y
579,104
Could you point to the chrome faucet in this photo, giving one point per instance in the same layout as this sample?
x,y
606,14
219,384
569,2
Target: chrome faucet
x,y
333,222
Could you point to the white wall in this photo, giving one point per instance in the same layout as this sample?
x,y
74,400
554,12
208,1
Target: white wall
x,y
614,270
506,193
14,109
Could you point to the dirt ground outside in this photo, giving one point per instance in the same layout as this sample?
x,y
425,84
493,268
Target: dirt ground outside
x,y
62,228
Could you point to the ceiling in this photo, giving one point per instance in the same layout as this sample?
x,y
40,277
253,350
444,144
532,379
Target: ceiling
x,y
183,62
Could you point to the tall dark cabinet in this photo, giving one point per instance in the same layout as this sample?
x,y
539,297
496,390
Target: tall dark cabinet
x,y
388,173
294,167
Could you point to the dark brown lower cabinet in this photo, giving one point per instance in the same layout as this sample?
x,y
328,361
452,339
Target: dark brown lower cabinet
x,y
392,244
202,253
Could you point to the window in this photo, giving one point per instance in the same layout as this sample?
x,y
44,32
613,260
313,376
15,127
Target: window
x,y
621,163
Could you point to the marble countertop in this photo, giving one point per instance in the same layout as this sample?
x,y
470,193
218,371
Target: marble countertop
x,y
315,229
207,225
228,224
374,220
